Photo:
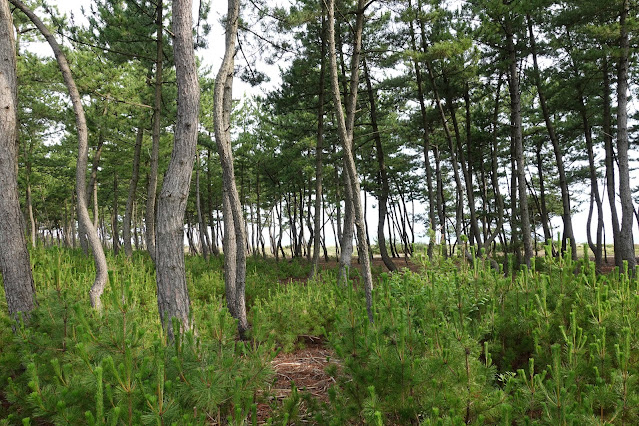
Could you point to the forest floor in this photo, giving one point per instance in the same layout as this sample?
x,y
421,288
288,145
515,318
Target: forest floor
x,y
306,369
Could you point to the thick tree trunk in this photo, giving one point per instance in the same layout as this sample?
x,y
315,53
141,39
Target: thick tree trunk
x,y
152,188
626,241
563,182
345,126
222,111
383,176
101,275
14,257
126,226
173,296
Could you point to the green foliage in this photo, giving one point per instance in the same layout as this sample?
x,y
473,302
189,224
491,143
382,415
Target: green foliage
x,y
456,343
73,365
292,312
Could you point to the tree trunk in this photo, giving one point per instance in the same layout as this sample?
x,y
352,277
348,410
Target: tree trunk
x,y
626,241
517,137
318,152
459,187
114,223
29,199
173,296
383,176
426,141
198,206
545,221
152,188
101,275
222,112
209,195
563,182
494,172
610,164
126,226
14,257
345,126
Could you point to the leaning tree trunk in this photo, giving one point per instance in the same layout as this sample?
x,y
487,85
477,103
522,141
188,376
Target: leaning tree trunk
x,y
126,226
14,257
150,216
101,275
345,127
173,295
235,296
563,182
626,241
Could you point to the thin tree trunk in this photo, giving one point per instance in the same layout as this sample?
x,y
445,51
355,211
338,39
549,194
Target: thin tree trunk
x,y
150,215
14,257
383,176
173,296
517,136
114,223
135,175
29,199
318,151
610,164
345,126
426,141
101,275
563,182
545,221
222,111
198,207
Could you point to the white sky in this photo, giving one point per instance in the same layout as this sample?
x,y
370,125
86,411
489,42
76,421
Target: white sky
x,y
212,56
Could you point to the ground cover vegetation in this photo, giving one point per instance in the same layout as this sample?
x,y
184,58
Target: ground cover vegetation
x,y
169,249
452,343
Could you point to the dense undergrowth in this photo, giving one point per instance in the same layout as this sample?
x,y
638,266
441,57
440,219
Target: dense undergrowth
x,y
452,344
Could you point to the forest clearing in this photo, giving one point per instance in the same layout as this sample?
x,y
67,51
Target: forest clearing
x,y
425,215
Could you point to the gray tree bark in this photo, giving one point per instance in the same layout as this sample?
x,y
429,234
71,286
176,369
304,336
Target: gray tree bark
x,y
200,218
126,226
383,176
173,296
149,217
345,128
626,241
563,182
609,161
234,245
318,154
517,136
14,257
101,275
